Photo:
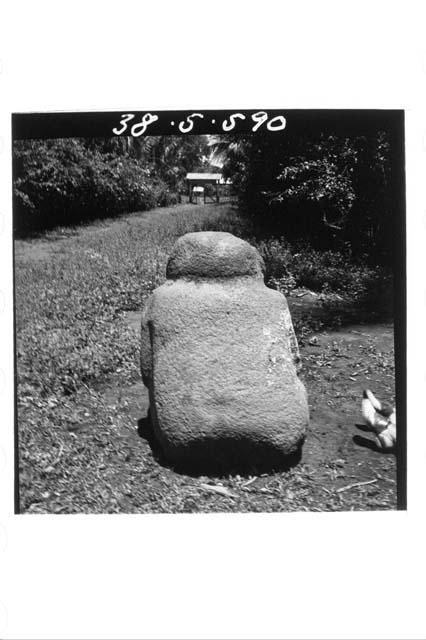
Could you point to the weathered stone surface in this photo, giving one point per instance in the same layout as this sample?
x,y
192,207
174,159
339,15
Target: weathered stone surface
x,y
219,358
211,254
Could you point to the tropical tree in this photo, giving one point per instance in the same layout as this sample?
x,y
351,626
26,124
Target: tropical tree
x,y
331,190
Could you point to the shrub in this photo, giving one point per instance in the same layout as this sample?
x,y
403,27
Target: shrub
x,y
276,254
64,182
324,271
337,272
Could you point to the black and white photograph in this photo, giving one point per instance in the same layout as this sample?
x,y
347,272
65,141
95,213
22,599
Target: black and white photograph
x,y
209,311
212,312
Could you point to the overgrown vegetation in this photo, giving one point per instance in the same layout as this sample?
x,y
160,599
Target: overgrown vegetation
x,y
333,191
288,267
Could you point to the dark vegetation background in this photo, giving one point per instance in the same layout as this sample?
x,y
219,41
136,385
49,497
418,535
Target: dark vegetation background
x,y
68,181
320,205
89,251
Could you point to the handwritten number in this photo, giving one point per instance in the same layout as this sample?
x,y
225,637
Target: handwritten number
x,y
137,129
124,120
278,123
140,128
281,123
228,126
190,123
260,117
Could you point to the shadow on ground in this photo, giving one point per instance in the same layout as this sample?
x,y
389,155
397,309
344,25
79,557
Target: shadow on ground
x,y
220,459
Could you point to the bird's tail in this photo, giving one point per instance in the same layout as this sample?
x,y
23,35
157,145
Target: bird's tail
x,y
372,398
369,407
368,411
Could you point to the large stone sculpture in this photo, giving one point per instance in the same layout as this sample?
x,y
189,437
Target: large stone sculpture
x,y
220,359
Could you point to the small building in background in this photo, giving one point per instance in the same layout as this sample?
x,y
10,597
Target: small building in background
x,y
198,181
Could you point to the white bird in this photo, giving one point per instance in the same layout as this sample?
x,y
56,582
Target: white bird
x,y
381,419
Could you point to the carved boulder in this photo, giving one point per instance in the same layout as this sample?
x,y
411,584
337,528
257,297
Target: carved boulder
x,y
220,359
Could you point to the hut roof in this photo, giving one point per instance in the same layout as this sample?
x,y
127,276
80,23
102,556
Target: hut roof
x,y
203,176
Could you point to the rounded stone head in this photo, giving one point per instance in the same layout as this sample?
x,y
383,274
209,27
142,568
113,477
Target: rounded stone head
x,y
213,254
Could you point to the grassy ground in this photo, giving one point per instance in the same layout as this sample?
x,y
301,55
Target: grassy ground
x,y
79,294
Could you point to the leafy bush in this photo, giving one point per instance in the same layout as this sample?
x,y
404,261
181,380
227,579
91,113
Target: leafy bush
x,y
276,254
335,271
65,182
330,188
323,271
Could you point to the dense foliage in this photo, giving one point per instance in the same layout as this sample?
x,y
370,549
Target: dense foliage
x,y
332,190
66,181
326,272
